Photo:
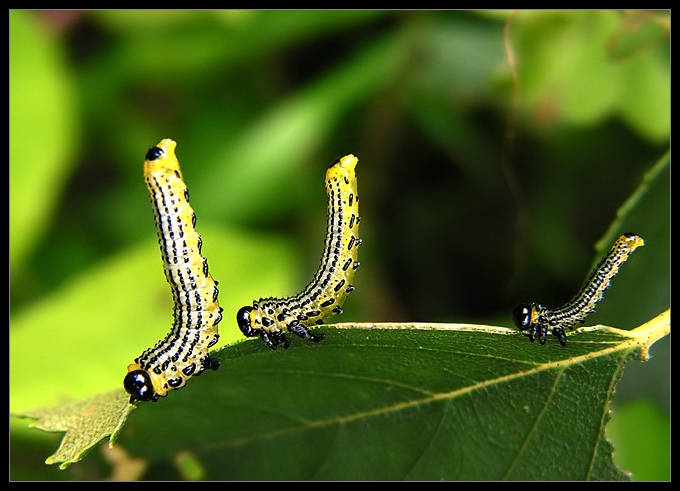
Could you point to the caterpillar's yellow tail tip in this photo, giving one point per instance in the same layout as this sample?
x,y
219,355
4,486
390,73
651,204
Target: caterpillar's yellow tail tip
x,y
634,241
343,167
348,162
167,145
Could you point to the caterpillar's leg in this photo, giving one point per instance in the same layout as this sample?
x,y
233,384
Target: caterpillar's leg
x,y
541,333
206,363
212,363
274,338
296,328
558,332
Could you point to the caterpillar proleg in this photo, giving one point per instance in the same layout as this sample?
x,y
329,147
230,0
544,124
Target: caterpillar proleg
x,y
323,297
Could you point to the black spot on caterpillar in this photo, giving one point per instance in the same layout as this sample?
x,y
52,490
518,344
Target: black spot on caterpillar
x,y
323,297
538,320
184,351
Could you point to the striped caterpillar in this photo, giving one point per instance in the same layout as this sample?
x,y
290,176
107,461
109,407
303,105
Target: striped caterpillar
x,y
184,351
269,318
538,320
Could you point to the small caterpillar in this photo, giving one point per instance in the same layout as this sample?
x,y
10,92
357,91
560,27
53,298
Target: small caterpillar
x,y
184,351
269,318
538,320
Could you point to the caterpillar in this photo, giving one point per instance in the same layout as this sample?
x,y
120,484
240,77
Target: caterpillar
x,y
324,296
538,320
184,351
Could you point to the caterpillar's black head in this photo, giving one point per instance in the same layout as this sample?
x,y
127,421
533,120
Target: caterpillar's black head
x,y
138,384
243,320
521,315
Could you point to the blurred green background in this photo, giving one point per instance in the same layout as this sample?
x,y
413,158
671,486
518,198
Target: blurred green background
x,y
494,148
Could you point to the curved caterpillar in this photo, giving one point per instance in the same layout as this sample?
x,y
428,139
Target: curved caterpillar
x,y
184,351
269,318
538,320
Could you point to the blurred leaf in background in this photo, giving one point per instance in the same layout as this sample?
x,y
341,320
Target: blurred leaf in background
x,y
43,136
459,223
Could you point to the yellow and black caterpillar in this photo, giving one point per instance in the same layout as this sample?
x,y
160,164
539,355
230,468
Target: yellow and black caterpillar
x,y
184,351
269,318
538,320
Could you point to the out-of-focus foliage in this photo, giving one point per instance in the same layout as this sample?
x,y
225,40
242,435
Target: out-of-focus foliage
x,y
494,148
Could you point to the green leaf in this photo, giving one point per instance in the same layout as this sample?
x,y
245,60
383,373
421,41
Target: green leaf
x,y
651,181
86,422
398,401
